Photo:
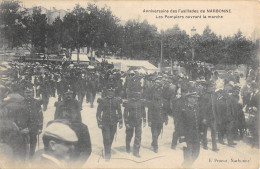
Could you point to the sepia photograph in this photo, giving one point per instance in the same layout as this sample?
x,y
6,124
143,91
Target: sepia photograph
x,y
129,84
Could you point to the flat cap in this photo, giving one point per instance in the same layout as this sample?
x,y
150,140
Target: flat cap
x,y
61,132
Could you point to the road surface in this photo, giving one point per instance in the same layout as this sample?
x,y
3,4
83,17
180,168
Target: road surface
x,y
242,156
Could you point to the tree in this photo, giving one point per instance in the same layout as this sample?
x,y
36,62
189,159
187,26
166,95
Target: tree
x,y
176,44
13,24
208,46
241,50
141,41
38,30
55,36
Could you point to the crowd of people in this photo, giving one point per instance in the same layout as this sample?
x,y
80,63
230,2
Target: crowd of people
x,y
197,99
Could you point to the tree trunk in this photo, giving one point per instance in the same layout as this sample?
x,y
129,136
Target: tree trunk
x,y
78,54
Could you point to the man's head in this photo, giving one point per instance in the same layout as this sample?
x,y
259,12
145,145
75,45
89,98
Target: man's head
x,y
68,95
110,93
28,93
229,87
193,99
59,139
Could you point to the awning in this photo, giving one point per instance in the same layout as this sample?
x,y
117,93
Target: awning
x,y
82,57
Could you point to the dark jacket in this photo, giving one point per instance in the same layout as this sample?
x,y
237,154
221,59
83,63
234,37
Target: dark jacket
x,y
134,112
83,147
71,108
224,109
254,100
206,108
156,112
109,111
33,106
190,123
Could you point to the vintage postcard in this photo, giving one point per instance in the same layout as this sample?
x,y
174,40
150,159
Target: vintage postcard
x,y
129,84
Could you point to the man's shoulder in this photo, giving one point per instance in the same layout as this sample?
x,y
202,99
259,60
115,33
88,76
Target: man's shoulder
x,y
74,101
100,100
58,103
37,101
48,163
118,100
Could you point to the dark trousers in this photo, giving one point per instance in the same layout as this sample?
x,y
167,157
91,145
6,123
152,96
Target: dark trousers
x,y
156,130
138,134
33,142
81,96
108,132
45,100
226,128
191,152
213,131
20,145
177,133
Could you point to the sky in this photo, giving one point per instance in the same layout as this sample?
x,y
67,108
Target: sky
x,y
244,15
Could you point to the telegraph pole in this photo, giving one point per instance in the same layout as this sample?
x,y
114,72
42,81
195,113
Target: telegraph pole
x,y
193,32
161,56
105,47
77,39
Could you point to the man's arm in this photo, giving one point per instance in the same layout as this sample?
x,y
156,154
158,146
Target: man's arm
x,y
119,111
99,112
126,115
143,112
149,113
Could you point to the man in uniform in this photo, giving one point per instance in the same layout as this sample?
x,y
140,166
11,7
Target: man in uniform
x,y
134,114
191,130
92,86
108,115
68,108
33,106
156,115
178,105
45,91
208,115
225,113
254,112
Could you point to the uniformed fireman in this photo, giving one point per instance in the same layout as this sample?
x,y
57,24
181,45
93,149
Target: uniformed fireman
x,y
68,108
226,114
191,129
108,115
45,91
208,115
33,106
157,115
254,112
134,115
178,105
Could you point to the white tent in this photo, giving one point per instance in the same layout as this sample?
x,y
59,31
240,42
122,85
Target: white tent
x,y
82,57
124,65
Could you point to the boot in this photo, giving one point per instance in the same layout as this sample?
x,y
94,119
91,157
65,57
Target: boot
x,y
136,154
205,147
128,149
155,149
215,148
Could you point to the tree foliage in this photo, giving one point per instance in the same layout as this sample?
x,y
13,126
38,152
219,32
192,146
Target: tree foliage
x,y
101,31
